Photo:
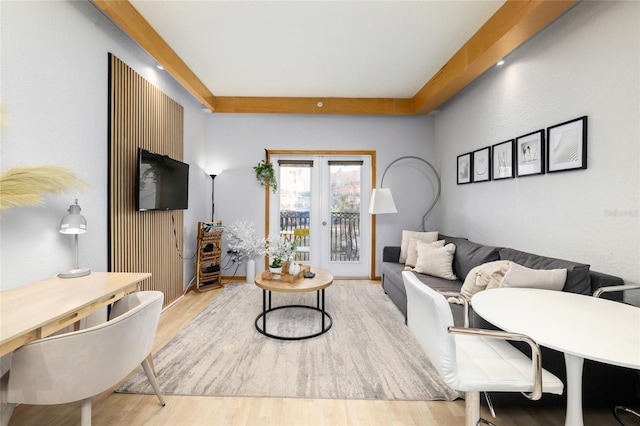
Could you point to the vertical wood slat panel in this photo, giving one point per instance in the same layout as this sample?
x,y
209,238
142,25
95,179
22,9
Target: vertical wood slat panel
x,y
142,116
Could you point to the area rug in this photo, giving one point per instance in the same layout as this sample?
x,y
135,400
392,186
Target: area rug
x,y
369,353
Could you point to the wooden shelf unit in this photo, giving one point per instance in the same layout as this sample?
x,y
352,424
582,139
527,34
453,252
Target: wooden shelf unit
x,y
209,253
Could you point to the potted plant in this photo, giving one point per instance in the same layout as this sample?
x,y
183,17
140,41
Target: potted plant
x,y
280,250
266,175
243,239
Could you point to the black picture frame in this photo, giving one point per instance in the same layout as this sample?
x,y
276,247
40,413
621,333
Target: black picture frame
x,y
464,169
481,160
503,160
567,146
530,154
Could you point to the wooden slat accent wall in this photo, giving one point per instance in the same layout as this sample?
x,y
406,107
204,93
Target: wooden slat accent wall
x,y
140,115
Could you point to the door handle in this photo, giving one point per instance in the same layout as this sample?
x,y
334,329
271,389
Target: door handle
x,y
324,223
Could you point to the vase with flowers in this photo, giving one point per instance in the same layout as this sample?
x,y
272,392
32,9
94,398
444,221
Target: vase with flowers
x,y
243,239
280,250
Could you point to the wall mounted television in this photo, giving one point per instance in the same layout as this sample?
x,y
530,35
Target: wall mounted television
x,y
162,183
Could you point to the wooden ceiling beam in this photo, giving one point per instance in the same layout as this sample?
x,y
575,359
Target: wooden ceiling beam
x,y
373,106
131,22
513,24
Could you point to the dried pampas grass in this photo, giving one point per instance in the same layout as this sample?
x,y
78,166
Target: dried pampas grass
x,y
26,186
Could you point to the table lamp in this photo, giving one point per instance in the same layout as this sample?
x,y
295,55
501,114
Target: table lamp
x,y
74,223
382,199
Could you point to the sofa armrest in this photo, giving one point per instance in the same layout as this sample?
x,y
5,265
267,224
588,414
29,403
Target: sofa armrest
x,y
600,280
391,254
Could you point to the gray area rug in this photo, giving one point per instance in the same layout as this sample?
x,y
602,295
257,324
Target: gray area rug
x,y
369,353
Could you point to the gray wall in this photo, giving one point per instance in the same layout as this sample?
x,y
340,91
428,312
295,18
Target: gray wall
x,y
238,142
53,87
585,63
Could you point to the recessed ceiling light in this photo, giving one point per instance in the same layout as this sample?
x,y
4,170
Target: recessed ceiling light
x,y
160,67
500,63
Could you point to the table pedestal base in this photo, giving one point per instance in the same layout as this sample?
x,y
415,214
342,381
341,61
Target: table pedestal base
x,y
574,390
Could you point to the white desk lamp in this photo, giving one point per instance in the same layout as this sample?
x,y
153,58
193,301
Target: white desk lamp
x,y
74,223
382,199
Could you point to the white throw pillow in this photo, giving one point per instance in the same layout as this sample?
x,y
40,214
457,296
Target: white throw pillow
x,y
520,276
436,261
412,251
428,237
485,276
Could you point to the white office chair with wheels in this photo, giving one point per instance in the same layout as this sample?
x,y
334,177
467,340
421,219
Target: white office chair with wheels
x,y
473,360
78,365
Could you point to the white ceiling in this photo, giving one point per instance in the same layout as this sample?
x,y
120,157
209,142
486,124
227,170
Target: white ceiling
x,y
354,49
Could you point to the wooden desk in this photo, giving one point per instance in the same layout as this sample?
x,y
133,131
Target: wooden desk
x,y
40,309
578,325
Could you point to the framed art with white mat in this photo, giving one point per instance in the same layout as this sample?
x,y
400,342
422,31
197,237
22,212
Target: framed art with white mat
x,y
482,165
464,168
530,158
567,145
503,160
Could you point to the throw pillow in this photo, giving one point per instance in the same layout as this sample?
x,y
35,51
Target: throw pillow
x,y
412,251
436,261
520,276
428,237
485,276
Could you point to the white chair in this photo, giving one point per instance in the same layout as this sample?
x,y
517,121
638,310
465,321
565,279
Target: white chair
x,y
78,365
620,411
473,360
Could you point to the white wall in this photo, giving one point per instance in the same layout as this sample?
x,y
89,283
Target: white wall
x,y
239,140
53,87
585,63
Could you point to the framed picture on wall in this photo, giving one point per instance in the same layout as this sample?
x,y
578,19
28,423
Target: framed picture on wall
x,y
530,154
503,160
481,160
464,168
567,145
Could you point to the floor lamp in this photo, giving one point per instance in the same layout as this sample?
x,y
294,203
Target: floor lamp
x,y
382,198
213,200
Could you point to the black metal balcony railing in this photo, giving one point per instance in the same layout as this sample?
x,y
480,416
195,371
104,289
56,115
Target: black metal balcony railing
x,y
345,233
345,236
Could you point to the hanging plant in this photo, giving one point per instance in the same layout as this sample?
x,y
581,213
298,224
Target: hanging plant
x,y
266,175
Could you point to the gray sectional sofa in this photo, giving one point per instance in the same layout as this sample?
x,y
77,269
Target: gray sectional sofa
x,y
603,384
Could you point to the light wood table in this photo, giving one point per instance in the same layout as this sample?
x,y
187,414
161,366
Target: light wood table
x,y
319,283
40,309
579,326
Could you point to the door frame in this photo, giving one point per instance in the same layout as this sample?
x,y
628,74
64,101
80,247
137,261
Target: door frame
x,y
267,191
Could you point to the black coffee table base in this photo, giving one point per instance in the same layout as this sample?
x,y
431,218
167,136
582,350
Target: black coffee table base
x,y
261,320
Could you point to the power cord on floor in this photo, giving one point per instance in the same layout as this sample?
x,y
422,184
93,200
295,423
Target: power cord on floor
x,y
175,238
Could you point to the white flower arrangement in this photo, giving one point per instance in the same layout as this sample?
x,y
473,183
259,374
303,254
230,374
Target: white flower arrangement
x,y
280,250
242,238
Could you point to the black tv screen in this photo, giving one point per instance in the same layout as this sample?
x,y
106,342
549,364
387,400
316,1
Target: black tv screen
x,y
162,182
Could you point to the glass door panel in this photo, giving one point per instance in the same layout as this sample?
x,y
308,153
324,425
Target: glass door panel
x,y
345,183
295,204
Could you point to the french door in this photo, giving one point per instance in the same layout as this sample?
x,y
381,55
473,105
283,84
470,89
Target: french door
x,y
321,204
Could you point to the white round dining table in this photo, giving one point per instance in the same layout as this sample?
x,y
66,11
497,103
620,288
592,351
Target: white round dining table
x,y
578,325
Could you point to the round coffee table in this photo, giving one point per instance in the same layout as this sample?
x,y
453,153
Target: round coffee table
x,y
322,280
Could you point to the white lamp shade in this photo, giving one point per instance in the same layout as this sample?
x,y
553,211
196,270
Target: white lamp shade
x,y
73,222
382,202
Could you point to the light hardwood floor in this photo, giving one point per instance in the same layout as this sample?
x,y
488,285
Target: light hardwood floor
x,y
110,408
